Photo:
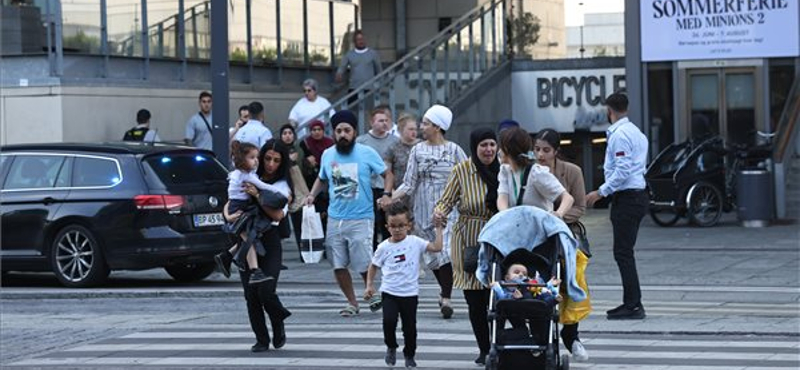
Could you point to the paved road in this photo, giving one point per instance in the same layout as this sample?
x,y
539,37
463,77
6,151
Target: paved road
x,y
719,298
170,332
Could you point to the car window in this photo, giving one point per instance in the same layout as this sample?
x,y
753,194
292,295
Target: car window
x,y
3,159
171,170
95,172
65,174
33,172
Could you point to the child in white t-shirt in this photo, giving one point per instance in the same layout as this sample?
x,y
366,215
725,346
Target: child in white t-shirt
x,y
398,258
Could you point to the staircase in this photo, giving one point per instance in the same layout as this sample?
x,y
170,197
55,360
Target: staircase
x,y
438,71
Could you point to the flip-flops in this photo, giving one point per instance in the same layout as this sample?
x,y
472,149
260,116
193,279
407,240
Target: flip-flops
x,y
349,311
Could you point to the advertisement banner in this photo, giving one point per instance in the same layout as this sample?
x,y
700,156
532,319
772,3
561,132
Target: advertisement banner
x,y
564,100
719,29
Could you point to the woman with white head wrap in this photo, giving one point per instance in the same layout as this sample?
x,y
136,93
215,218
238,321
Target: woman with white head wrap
x,y
429,165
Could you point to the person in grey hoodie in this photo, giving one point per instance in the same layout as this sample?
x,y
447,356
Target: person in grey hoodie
x,y
363,62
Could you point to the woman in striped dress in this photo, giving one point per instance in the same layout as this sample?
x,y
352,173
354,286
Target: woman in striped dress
x,y
429,164
472,187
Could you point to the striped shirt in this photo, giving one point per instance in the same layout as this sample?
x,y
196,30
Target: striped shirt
x,y
466,190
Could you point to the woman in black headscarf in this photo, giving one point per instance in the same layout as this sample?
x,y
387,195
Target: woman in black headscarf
x,y
472,187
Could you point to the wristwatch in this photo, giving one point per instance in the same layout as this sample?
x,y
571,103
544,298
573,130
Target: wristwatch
x,y
387,193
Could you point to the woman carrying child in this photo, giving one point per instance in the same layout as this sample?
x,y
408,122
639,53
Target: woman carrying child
x,y
245,161
398,258
274,170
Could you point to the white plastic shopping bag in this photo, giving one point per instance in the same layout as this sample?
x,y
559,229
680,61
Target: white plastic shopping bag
x,y
312,237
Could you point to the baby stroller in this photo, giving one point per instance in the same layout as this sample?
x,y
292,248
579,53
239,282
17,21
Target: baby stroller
x,y
534,238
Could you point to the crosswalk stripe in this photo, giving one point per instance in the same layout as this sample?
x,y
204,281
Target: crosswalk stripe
x,y
359,332
430,349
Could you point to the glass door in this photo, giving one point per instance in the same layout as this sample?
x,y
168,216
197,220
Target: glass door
x,y
704,101
740,107
722,101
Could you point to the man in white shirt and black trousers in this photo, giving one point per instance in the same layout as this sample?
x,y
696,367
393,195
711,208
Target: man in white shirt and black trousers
x,y
624,167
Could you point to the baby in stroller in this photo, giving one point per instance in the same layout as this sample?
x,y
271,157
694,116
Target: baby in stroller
x,y
529,304
517,285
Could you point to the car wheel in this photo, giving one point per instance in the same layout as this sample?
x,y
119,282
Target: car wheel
x,y
664,217
77,259
705,204
188,272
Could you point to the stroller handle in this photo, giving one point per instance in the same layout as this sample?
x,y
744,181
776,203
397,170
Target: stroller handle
x,y
530,285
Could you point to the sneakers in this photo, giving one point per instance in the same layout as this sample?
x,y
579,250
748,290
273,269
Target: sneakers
x,y
224,260
447,311
259,347
481,360
258,276
391,356
410,362
579,353
635,313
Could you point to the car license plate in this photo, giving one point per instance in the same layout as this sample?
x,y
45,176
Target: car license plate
x,y
208,219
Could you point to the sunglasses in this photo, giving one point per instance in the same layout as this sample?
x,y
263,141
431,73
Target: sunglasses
x,y
307,90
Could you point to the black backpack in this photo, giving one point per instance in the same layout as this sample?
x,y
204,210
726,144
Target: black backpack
x,y
136,134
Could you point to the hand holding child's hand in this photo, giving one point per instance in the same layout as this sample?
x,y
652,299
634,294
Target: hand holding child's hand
x,y
369,292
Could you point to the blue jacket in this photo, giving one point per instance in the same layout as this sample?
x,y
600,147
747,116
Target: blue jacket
x,y
527,227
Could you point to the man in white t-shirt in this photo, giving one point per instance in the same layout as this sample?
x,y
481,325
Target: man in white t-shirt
x,y
254,131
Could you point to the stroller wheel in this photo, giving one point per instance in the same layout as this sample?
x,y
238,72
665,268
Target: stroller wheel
x,y
564,362
492,360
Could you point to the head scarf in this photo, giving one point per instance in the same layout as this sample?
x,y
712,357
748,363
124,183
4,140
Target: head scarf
x,y
440,116
487,173
316,147
344,116
507,123
284,127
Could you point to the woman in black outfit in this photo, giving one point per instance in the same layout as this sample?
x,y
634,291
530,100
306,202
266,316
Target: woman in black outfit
x,y
274,169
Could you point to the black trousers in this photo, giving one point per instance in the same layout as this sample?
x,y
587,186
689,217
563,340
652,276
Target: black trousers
x,y
478,307
569,334
444,276
262,297
628,207
406,309
379,232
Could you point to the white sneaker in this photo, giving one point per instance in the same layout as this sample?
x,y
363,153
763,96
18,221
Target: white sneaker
x,y
579,353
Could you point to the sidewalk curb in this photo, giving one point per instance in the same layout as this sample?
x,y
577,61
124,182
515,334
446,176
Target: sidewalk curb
x,y
154,294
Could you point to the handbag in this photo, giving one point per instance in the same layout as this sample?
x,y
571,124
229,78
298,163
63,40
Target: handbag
x,y
580,235
471,258
300,189
312,237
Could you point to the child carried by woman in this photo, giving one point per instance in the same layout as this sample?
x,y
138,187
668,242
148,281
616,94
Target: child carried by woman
x,y
252,223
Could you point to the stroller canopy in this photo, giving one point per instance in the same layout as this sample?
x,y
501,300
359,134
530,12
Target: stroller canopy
x,y
528,227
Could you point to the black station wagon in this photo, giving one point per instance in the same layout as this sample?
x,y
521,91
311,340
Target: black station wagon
x,y
82,210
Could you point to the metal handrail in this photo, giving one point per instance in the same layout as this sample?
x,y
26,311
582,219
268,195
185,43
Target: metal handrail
x,y
371,88
787,124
